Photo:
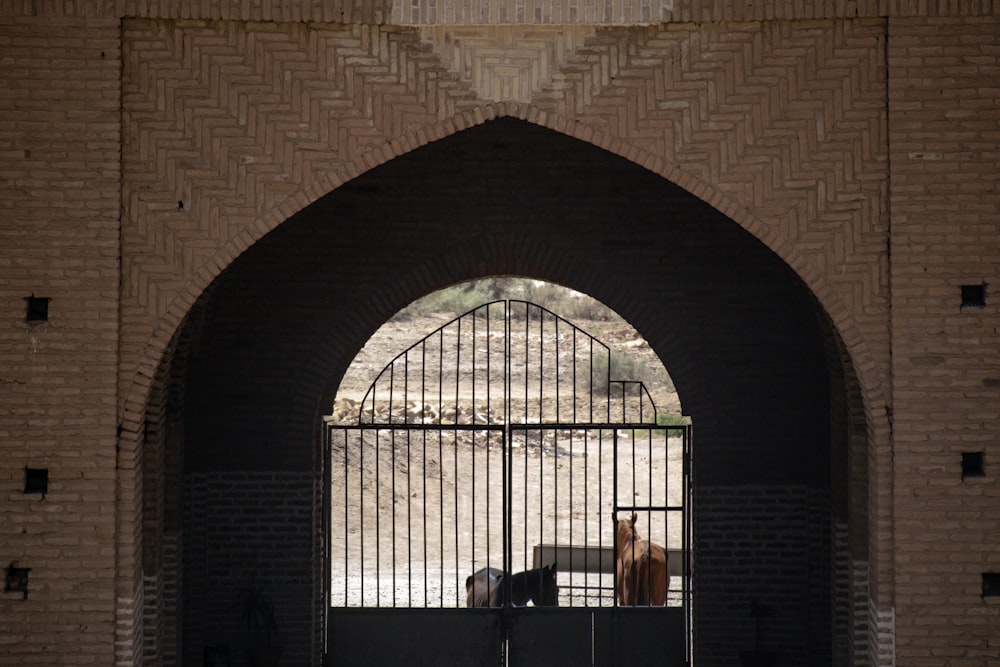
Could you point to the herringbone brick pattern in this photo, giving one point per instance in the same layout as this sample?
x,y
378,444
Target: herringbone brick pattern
x,y
228,123
782,118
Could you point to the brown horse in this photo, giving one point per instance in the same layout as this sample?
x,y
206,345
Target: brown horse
x,y
486,588
641,567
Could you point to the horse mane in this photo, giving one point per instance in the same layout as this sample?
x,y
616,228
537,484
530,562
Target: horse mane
x,y
625,531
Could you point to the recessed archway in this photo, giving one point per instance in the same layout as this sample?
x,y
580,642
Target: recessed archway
x,y
761,370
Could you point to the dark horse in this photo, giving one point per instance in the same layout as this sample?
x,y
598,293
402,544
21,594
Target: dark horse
x,y
486,588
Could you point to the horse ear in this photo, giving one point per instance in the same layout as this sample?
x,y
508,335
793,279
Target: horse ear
x,y
632,520
553,568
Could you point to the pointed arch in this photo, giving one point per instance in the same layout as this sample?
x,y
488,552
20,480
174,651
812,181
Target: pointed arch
x,y
827,295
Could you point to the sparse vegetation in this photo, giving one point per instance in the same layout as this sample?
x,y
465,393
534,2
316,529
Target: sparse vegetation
x,y
456,299
463,297
564,302
628,367
672,420
631,359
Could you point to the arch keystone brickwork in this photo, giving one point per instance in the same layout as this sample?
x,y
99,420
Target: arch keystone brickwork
x,y
513,63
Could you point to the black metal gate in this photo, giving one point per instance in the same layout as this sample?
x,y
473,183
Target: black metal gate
x,y
501,440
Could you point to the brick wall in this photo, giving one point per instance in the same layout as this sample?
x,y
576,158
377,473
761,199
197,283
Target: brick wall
x,y
139,157
946,158
59,222
247,529
762,569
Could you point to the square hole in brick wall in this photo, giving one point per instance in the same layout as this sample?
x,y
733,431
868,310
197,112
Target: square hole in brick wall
x,y
973,297
16,580
973,464
36,309
991,584
36,480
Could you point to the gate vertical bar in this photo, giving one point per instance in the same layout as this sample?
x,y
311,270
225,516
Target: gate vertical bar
x,y
687,543
392,443
361,533
541,418
458,367
489,474
614,503
666,499
527,378
423,518
346,542
409,526
489,418
440,473
326,497
507,494
378,534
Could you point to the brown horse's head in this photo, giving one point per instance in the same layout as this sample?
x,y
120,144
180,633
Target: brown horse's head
x,y
625,531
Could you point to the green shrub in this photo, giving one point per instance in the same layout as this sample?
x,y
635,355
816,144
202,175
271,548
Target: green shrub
x,y
456,300
672,420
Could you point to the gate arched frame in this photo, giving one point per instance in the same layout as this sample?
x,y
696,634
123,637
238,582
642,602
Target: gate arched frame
x,y
502,440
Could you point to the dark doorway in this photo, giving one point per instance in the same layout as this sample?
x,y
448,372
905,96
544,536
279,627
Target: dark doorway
x,y
262,353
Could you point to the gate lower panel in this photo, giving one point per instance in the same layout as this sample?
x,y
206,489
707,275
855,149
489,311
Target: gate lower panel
x,y
439,637
636,636
602,637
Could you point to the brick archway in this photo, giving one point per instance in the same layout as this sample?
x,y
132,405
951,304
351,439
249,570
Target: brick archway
x,y
201,216
169,322
743,171
397,268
